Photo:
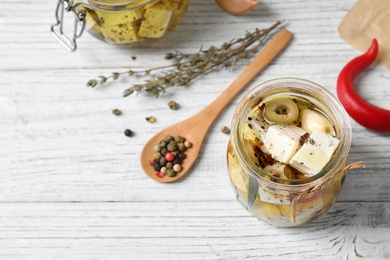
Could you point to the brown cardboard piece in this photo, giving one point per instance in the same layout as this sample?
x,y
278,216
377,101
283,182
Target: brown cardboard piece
x,y
366,20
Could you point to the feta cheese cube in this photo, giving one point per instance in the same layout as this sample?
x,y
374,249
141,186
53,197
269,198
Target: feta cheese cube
x,y
121,34
276,170
157,19
282,141
254,129
315,153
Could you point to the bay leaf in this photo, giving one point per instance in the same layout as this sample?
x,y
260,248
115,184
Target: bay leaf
x,y
253,190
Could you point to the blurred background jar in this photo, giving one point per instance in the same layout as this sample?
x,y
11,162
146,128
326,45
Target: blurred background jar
x,y
132,23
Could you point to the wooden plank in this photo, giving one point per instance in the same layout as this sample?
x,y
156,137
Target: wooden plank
x,y
183,230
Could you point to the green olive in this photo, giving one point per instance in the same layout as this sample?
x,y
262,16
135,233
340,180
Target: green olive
x,y
281,111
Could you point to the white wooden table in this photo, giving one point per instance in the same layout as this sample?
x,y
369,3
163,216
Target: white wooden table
x,y
71,186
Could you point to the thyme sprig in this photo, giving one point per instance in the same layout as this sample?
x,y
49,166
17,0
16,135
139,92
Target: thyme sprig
x,y
187,67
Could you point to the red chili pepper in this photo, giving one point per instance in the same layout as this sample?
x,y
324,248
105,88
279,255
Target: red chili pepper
x,y
368,115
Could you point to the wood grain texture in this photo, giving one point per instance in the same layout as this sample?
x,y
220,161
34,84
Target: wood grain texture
x,y
181,230
71,186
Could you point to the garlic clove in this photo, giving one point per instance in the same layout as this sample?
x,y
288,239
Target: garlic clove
x,y
312,121
237,6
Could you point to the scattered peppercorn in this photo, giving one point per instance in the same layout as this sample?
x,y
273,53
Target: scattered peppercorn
x,y
173,105
160,174
225,130
116,112
129,133
157,167
151,119
177,160
163,161
164,151
177,167
168,138
171,173
157,156
187,144
169,157
172,146
179,139
180,147
169,154
182,155
169,165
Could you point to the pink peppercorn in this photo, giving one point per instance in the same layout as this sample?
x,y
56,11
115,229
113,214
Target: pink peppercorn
x,y
160,174
169,157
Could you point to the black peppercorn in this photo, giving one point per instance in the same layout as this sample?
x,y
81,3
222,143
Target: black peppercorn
x,y
177,160
182,155
157,167
129,133
164,151
163,161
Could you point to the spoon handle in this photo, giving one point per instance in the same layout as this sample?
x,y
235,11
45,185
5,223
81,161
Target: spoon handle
x,y
267,54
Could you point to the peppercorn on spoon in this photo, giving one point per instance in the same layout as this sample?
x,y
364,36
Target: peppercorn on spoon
x,y
195,128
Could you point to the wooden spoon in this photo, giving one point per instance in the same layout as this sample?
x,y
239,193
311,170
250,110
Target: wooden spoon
x,y
195,128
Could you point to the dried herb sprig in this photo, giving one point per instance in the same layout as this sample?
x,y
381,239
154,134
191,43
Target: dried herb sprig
x,y
187,67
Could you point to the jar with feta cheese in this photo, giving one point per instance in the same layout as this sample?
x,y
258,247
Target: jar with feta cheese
x,y
288,151
131,23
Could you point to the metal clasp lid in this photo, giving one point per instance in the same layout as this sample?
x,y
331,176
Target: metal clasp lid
x,y
79,20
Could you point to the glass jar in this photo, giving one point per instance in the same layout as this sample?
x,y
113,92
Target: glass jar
x,y
274,198
131,23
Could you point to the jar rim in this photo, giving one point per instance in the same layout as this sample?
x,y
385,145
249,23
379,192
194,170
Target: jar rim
x,y
321,95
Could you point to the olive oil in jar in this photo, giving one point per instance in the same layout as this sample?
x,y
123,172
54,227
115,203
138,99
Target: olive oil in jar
x,y
135,22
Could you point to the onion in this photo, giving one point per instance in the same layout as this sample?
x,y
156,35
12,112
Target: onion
x,y
237,6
